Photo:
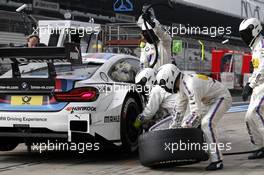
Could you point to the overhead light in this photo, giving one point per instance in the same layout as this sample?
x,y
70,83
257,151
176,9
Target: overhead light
x,y
225,41
21,8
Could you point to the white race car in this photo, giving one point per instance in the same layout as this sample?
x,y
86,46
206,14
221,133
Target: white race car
x,y
95,102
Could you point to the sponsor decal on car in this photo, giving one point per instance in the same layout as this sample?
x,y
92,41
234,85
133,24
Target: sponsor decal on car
x,y
81,108
23,119
26,100
9,87
111,119
42,87
25,86
26,60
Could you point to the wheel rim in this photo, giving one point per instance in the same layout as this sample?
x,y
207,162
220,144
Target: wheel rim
x,y
132,132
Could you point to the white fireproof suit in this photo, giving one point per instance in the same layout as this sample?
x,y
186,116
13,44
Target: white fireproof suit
x,y
197,90
160,103
255,114
148,53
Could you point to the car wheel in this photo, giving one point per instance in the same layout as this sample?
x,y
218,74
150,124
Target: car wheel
x,y
172,146
7,145
129,134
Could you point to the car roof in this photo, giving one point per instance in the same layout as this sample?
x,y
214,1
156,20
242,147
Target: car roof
x,y
96,57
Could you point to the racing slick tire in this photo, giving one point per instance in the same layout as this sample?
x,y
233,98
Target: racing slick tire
x,y
170,147
7,145
129,134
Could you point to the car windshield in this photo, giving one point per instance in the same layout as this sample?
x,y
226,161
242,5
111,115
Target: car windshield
x,y
65,69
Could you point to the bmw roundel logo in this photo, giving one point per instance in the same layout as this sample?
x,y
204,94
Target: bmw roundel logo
x,y
24,85
147,49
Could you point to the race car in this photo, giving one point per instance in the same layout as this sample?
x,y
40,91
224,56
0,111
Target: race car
x,y
92,101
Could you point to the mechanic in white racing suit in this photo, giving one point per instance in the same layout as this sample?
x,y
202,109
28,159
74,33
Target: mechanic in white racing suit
x,y
160,36
160,103
194,91
250,31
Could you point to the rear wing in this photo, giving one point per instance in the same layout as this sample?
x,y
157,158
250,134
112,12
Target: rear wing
x,y
50,55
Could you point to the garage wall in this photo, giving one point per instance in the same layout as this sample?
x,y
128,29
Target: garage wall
x,y
227,6
15,38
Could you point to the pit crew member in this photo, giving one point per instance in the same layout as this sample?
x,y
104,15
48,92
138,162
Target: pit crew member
x,y
160,103
158,35
194,91
250,31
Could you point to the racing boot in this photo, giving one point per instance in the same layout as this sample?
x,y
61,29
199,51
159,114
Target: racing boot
x,y
257,155
215,166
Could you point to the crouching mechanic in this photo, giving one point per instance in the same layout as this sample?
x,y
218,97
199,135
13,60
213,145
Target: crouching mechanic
x,y
153,33
250,32
197,90
160,103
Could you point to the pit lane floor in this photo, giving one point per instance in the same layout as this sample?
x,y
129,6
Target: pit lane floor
x,y
232,129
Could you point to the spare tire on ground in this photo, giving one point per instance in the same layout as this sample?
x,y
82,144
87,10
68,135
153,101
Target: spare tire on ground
x,y
172,146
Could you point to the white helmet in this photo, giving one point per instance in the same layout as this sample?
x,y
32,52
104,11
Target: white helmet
x,y
166,77
146,77
249,30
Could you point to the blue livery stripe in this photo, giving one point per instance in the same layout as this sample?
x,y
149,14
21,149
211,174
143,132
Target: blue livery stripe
x,y
26,108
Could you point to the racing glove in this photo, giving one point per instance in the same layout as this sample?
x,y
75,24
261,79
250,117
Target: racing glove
x,y
147,16
139,121
247,91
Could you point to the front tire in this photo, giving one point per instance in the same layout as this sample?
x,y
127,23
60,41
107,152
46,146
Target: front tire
x,y
129,134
